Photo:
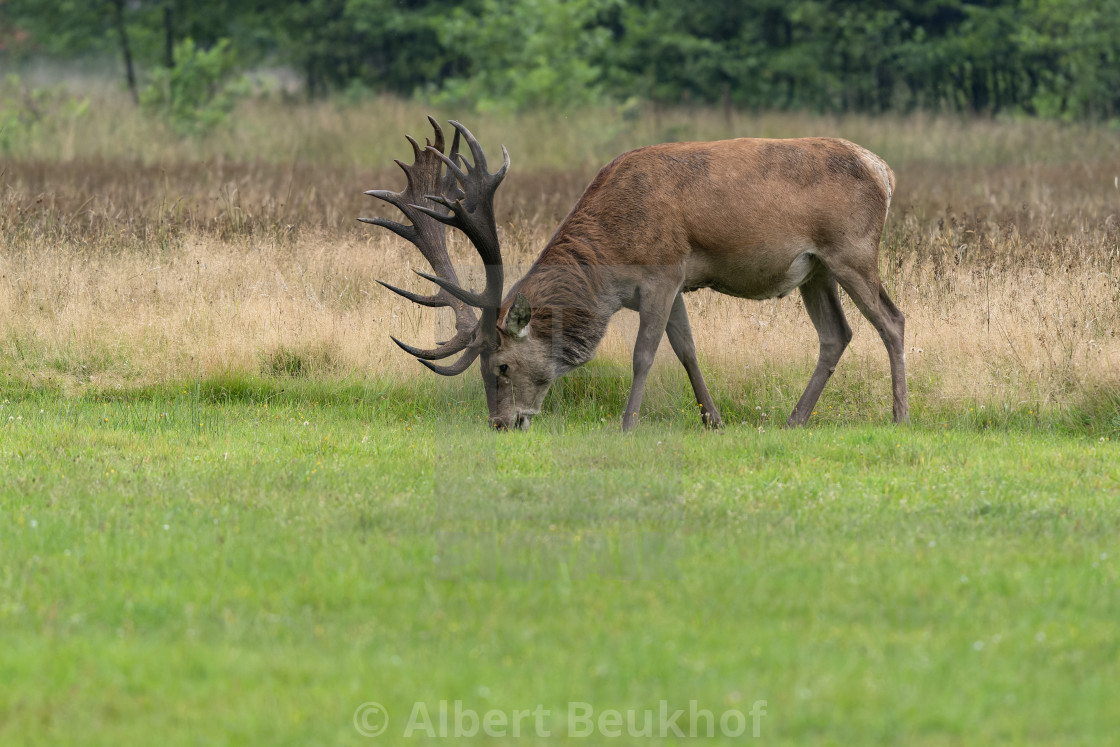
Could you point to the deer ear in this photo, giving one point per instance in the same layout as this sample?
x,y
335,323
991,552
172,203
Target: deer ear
x,y
518,316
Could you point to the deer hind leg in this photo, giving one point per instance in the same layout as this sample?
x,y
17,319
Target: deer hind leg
x,y
654,307
679,333
822,301
871,298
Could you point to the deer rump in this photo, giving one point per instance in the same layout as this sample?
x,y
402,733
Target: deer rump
x,y
752,218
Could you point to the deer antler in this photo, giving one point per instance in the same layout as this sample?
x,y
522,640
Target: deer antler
x,y
428,235
467,194
473,214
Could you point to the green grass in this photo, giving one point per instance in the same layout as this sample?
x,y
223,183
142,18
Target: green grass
x,y
248,561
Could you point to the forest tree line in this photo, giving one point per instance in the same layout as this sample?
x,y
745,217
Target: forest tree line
x,y
1053,58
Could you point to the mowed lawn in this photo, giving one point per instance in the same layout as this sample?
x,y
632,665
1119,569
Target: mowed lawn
x,y
197,565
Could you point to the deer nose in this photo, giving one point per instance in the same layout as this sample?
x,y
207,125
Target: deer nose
x,y
523,421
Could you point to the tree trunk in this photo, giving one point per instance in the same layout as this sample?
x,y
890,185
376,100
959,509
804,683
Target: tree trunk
x,y
169,46
126,50
168,37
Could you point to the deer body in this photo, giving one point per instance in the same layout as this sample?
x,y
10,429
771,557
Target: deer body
x,y
751,218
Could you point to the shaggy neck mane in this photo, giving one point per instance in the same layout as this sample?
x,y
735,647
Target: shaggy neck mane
x,y
564,287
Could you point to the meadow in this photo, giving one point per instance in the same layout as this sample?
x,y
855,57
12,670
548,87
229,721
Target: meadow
x,y
232,511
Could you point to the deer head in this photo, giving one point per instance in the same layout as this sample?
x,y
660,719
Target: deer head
x,y
524,364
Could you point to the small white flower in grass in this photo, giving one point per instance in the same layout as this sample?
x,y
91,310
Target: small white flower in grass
x,y
483,691
964,579
1040,636
166,527
978,646
1104,556
33,523
933,543
306,423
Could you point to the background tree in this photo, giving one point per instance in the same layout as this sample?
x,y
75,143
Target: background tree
x,y
1055,58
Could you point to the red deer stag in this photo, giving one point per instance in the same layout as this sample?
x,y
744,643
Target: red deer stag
x,y
751,218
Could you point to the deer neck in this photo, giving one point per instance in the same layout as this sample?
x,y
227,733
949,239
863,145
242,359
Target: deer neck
x,y
565,291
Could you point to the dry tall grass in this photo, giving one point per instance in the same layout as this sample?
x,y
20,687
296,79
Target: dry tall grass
x,y
154,259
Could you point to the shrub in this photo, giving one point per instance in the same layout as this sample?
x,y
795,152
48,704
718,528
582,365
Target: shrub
x,y
199,91
26,113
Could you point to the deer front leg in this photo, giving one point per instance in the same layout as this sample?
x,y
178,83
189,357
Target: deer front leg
x,y
654,305
679,333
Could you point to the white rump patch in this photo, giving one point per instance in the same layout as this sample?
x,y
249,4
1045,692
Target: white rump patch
x,y
877,167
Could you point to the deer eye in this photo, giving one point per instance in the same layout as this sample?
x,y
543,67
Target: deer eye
x,y
503,368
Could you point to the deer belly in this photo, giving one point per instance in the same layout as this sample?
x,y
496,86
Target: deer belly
x,y
760,280
799,271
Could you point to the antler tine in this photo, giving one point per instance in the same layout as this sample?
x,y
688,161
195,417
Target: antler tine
x,y
472,142
474,299
461,340
439,133
434,301
494,179
449,185
400,229
458,366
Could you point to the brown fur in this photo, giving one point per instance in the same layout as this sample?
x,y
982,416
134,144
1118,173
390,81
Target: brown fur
x,y
748,217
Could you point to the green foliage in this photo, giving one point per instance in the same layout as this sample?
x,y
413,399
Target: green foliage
x,y
1076,59
60,28
74,28
1055,58
384,44
199,91
26,113
525,54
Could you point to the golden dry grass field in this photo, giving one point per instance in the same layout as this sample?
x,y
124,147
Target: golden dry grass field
x,y
131,256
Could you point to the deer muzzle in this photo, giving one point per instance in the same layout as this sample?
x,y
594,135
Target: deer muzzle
x,y
520,421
